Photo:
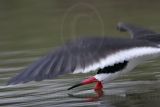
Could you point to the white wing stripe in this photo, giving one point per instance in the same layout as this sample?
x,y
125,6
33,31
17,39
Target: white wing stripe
x,y
119,56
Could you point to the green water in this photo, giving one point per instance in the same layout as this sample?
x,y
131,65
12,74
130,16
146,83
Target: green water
x,y
31,28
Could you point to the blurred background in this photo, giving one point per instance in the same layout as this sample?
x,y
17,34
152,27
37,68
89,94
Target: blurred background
x,y
31,28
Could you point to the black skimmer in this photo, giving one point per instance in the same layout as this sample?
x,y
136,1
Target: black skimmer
x,y
109,57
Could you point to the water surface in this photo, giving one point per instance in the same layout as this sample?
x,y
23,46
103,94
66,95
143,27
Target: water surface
x,y
31,28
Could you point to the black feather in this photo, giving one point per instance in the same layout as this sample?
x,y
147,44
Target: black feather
x,y
114,68
139,32
73,55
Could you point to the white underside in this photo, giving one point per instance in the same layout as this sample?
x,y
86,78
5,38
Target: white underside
x,y
108,77
134,56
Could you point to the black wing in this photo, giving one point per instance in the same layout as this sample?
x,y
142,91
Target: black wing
x,y
135,31
74,56
139,32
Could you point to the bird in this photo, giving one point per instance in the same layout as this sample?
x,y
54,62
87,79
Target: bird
x,y
109,57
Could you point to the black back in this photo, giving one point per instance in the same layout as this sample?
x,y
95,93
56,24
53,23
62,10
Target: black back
x,y
75,55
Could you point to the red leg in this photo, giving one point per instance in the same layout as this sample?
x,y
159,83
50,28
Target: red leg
x,y
98,86
99,92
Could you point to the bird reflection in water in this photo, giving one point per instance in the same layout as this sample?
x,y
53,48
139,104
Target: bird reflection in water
x,y
89,98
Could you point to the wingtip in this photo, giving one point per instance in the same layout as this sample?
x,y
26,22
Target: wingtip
x,y
10,82
15,80
121,26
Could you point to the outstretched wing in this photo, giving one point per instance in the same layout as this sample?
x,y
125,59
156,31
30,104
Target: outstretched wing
x,y
135,31
84,55
139,32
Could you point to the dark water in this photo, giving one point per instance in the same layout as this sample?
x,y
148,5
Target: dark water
x,y
31,28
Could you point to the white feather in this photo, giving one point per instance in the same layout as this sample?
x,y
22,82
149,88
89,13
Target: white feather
x,y
110,76
126,54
